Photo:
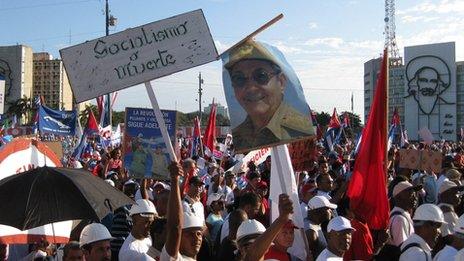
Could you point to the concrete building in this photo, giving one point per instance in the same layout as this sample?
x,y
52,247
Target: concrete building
x,y
51,81
16,70
428,90
219,110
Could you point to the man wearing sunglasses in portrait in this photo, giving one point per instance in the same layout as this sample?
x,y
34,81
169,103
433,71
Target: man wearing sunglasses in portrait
x,y
259,84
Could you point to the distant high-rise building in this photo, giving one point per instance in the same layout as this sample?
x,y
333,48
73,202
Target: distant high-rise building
x,y
428,90
16,71
51,82
219,110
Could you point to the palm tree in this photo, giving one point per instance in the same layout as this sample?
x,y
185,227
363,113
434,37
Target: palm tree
x,y
21,107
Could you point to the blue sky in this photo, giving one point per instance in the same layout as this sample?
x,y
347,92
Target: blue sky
x,y
326,41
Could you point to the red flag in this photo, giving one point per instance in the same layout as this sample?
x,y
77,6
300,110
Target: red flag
x,y
367,189
210,132
334,121
396,118
346,119
92,125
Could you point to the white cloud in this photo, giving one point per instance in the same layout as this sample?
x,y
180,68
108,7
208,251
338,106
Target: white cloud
x,y
333,42
313,25
443,7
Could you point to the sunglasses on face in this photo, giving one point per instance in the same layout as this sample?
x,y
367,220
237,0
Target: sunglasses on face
x,y
259,76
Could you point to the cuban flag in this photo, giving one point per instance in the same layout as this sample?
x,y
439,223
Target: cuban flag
x,y
334,132
196,138
395,133
318,127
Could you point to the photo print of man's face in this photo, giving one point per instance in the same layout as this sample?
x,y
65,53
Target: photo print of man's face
x,y
427,78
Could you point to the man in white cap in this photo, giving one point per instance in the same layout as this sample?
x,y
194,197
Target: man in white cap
x,y
401,225
185,230
319,211
95,242
254,239
450,251
449,198
427,219
339,232
138,242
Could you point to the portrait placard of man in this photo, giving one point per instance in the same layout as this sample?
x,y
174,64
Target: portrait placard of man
x,y
428,77
265,98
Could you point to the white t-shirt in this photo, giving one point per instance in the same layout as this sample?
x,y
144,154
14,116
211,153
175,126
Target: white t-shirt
x,y
447,253
327,255
135,249
166,257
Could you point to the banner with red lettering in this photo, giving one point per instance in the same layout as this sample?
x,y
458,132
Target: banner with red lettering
x,y
257,156
302,152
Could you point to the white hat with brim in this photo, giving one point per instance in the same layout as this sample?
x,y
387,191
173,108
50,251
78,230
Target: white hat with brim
x,y
213,197
192,221
249,227
404,185
320,202
447,185
144,208
339,224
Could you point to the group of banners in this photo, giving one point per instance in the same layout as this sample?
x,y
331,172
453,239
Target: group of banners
x,y
265,98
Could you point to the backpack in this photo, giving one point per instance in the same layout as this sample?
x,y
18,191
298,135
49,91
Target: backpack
x,y
388,251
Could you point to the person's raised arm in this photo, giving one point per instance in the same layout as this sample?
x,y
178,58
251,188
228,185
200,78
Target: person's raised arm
x,y
263,242
144,189
174,212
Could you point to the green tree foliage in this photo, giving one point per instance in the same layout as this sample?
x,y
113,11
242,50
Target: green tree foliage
x,y
21,107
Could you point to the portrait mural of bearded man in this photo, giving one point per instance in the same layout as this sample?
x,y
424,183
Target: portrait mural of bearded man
x,y
265,98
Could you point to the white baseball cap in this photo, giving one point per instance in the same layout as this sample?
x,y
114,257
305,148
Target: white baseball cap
x,y
459,227
192,220
429,212
93,233
250,227
213,197
404,185
320,202
448,184
144,208
109,181
339,224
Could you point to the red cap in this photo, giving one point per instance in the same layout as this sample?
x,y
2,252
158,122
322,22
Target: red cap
x,y
290,224
262,184
308,187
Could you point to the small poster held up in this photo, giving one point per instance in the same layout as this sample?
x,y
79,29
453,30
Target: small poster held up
x,y
145,154
421,159
265,98
302,153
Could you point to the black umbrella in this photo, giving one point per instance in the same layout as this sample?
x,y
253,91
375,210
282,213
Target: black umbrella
x,y
46,195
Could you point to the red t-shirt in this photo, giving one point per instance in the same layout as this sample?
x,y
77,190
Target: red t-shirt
x,y
275,254
362,245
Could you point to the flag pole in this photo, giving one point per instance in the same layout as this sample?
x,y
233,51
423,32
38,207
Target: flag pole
x,y
387,76
160,120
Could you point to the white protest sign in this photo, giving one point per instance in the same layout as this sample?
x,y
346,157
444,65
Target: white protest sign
x,y
426,135
257,156
138,55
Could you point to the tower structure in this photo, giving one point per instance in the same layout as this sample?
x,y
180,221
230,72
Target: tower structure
x,y
390,35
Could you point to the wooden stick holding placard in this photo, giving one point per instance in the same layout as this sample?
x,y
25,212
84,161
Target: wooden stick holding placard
x,y
253,34
160,120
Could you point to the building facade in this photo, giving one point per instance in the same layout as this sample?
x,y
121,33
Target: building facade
x,y
428,90
16,73
51,82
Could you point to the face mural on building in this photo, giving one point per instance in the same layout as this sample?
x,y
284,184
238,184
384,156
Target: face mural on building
x,y
428,77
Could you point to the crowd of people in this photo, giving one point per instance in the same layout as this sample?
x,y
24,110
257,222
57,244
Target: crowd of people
x,y
209,210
